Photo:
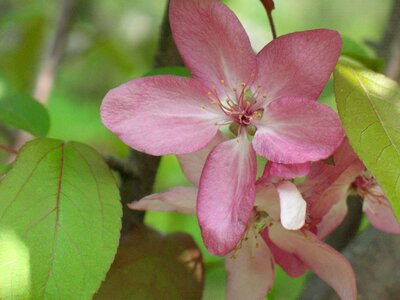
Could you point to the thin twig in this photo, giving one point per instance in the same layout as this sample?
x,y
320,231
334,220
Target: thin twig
x,y
55,51
269,7
8,149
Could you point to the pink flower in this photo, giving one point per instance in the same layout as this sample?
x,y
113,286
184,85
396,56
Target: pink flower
x,y
328,186
250,263
272,92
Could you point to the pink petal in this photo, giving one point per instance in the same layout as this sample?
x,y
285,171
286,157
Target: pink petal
x,y
159,114
326,262
227,194
267,200
192,164
335,193
380,214
213,43
250,270
293,206
322,174
286,171
298,64
296,130
179,199
332,219
290,263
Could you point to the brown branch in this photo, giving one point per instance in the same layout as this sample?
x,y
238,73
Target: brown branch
x,y
269,7
389,47
374,255
51,60
55,51
139,181
8,149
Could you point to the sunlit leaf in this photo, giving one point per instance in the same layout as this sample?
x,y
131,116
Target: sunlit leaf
x,y
369,107
24,112
60,218
150,265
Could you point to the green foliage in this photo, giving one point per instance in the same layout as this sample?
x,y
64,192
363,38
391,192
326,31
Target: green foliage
x,y
356,51
179,71
60,218
24,112
149,265
4,169
369,107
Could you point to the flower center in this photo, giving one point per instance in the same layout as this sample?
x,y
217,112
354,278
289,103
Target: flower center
x,y
241,106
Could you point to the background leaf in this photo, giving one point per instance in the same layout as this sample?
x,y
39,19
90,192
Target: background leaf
x,y
150,265
24,112
357,51
60,218
369,107
179,71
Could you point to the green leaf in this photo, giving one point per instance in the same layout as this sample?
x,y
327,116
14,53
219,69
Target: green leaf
x,y
24,112
4,169
60,218
369,107
150,265
357,51
179,71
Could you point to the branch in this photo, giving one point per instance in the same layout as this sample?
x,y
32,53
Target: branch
x,y
269,7
389,47
8,149
51,60
375,258
140,181
55,51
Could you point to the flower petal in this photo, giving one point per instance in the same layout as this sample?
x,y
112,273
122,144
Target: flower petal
x,y
286,171
293,206
213,43
380,214
227,194
159,114
296,130
322,174
179,199
289,262
335,193
250,270
267,199
331,220
298,64
326,262
192,164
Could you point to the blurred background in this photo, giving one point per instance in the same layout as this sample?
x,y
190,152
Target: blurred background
x,y
111,42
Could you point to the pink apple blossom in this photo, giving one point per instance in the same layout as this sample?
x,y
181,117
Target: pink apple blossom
x,y
272,94
328,186
250,263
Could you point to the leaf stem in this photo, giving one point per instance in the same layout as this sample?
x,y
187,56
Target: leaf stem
x,y
269,7
8,149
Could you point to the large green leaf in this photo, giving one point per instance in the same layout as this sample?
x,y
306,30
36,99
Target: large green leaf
x,y
60,218
24,112
369,107
153,266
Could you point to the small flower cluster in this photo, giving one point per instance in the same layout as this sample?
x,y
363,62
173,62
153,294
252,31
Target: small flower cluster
x,y
268,101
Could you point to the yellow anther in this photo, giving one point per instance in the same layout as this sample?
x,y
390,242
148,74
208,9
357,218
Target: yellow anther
x,y
264,96
244,84
257,245
222,81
